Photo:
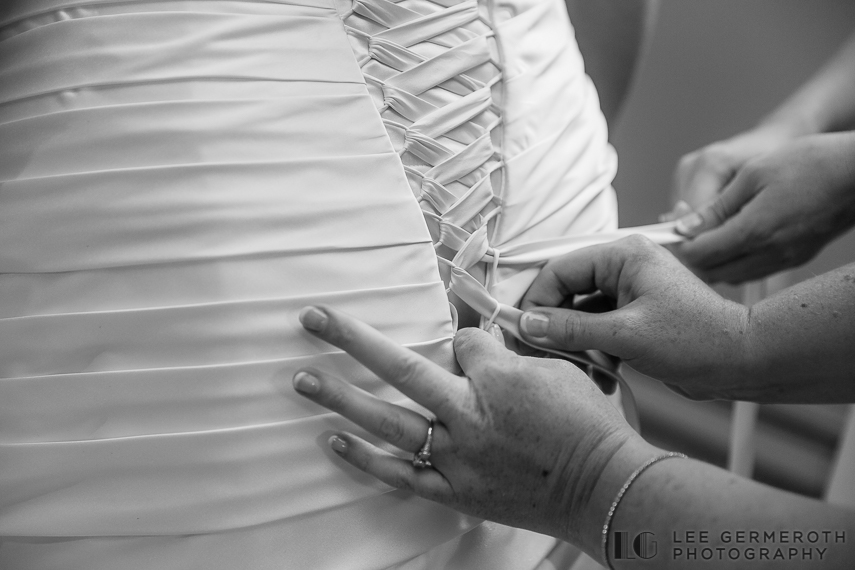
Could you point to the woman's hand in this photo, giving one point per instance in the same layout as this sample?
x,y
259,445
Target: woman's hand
x,y
702,175
774,212
667,324
522,441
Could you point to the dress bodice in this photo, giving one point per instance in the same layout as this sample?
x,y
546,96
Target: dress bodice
x,y
498,127
179,178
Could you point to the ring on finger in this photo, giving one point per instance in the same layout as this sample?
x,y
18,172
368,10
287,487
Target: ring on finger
x,y
421,459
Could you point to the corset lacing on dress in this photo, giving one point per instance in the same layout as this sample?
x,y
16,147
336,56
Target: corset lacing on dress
x,y
434,69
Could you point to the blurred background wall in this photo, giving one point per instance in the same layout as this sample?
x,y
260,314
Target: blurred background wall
x,y
713,69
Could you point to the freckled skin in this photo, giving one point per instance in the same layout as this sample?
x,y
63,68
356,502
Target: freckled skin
x,y
668,323
528,442
750,194
533,443
795,346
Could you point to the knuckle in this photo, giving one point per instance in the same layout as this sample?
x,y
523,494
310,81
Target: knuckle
x,y
401,479
407,371
360,460
717,212
569,329
715,156
335,397
638,243
391,428
463,338
641,248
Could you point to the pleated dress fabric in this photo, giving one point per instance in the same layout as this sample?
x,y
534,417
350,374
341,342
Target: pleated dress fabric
x,y
179,178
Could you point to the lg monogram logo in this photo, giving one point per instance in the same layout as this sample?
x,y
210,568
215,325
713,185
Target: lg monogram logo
x,y
641,546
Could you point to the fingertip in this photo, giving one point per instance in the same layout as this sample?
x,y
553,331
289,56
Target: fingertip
x,y
314,319
680,209
338,444
690,225
306,383
466,339
534,325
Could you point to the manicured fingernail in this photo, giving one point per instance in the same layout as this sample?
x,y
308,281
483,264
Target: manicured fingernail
x,y
534,324
306,383
496,333
313,319
337,444
688,224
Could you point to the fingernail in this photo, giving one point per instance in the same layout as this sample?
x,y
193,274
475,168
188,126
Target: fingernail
x,y
306,383
496,333
337,444
313,319
688,224
534,324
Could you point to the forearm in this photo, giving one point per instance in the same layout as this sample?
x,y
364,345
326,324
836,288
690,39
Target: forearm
x,y
802,342
825,103
703,517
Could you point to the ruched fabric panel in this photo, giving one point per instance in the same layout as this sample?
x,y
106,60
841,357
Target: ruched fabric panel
x,y
499,130
185,176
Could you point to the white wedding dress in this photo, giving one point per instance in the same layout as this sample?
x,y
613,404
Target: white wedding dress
x,y
178,178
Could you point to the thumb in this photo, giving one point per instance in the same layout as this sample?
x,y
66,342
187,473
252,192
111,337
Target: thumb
x,y
477,350
714,213
566,329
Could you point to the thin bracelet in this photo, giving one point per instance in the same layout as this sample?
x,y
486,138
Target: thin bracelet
x,y
630,480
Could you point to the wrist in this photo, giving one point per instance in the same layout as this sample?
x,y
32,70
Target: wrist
x,y
721,363
787,124
586,528
753,359
739,363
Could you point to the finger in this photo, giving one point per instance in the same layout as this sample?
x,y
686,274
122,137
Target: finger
x,y
725,244
715,212
594,303
699,178
565,329
579,272
477,350
681,208
749,268
590,269
411,373
394,471
559,279
399,426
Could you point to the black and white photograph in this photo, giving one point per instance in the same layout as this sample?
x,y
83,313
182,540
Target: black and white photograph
x,y
427,284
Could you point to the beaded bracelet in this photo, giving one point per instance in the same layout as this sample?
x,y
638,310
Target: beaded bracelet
x,y
630,480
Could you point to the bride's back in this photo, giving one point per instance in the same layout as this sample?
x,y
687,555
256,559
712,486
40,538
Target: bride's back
x,y
177,179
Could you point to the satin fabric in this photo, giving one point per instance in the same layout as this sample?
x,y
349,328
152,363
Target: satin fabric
x,y
184,176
